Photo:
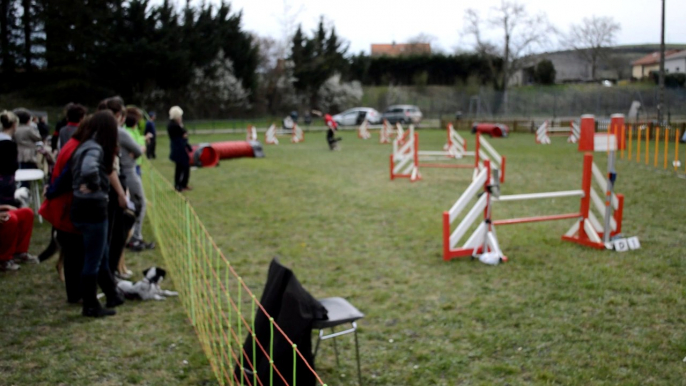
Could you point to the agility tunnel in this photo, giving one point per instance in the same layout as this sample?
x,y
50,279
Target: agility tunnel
x,y
207,155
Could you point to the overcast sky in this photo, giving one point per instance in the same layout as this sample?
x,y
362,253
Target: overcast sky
x,y
363,22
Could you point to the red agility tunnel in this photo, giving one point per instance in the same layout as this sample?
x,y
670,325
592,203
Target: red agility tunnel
x,y
208,154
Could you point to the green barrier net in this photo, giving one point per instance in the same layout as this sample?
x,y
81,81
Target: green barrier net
x,y
219,304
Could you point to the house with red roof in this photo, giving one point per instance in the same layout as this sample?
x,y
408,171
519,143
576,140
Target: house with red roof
x,y
642,67
394,49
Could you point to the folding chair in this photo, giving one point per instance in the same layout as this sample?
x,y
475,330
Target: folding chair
x,y
340,312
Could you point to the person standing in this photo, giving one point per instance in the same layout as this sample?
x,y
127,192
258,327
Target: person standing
x,y
8,158
26,137
151,136
130,167
56,210
92,165
179,148
58,126
332,127
75,115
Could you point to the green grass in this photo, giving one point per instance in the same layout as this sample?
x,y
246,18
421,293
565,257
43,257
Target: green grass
x,y
556,313
46,341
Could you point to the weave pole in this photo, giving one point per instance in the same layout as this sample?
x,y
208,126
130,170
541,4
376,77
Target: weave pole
x,y
657,144
676,150
631,136
666,146
638,144
647,145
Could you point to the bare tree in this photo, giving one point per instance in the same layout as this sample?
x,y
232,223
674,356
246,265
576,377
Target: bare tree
x,y
522,34
421,44
592,39
288,19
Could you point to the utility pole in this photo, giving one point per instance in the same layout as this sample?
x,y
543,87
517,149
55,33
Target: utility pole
x,y
661,101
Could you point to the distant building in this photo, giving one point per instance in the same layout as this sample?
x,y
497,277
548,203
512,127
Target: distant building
x,y
394,49
619,64
676,63
642,67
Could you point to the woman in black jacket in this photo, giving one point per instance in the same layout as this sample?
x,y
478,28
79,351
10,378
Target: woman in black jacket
x,y
179,148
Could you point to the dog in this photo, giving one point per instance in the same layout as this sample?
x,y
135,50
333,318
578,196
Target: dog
x,y
22,196
148,288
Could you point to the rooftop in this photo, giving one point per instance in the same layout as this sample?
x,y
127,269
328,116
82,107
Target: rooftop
x,y
652,58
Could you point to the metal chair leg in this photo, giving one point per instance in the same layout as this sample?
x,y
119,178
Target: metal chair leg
x,y
335,349
357,354
316,347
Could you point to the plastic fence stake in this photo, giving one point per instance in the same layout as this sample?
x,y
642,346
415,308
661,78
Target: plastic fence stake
x,y
254,348
190,264
230,312
240,332
295,361
222,343
271,350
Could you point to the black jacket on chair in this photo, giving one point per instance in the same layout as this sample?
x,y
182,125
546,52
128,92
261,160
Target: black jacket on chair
x,y
294,310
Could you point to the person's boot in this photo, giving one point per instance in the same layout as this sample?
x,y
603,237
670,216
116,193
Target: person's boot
x,y
109,287
91,305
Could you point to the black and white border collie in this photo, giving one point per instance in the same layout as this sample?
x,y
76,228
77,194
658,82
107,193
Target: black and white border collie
x,y
148,288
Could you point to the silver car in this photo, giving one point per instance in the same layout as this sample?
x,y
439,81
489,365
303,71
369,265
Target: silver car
x,y
356,116
403,114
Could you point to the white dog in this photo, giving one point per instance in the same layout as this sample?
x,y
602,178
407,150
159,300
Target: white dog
x,y
22,195
148,288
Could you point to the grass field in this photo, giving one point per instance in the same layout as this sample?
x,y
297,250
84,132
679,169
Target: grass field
x,y
557,313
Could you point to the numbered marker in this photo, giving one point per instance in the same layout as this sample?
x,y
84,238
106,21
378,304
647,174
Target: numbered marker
x,y
634,243
621,245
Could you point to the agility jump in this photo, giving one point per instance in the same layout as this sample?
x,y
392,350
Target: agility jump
x,y
251,134
388,132
544,132
455,148
407,159
270,136
587,230
363,130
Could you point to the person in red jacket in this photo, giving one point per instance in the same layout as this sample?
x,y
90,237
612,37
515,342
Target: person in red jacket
x,y
332,127
16,226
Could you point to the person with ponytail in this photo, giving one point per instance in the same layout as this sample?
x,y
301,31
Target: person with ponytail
x,y
92,165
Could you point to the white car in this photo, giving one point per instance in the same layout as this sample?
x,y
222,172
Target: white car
x,y
356,116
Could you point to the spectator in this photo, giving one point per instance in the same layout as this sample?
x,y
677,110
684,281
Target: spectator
x,y
131,172
131,126
56,208
178,142
16,226
75,115
151,136
58,126
92,165
120,223
43,128
8,158
26,137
